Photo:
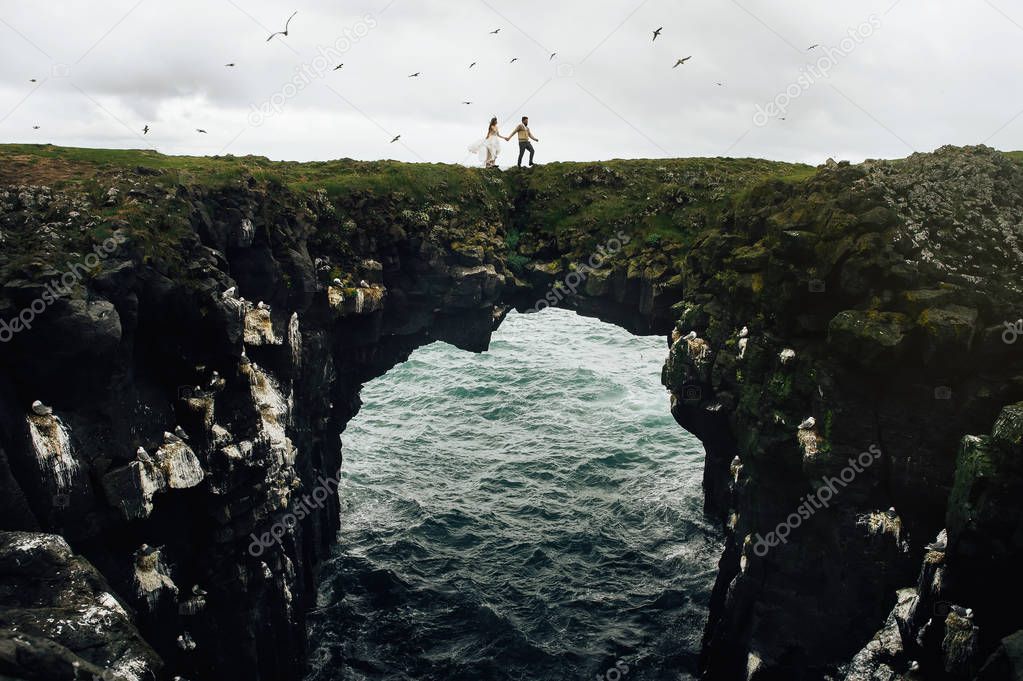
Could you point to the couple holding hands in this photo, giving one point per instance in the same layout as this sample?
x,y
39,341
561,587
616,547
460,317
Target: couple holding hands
x,y
490,147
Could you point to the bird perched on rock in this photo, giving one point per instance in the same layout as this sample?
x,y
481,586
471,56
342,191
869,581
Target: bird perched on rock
x,y
363,283
40,409
197,590
940,543
337,282
736,467
180,432
142,455
285,31
690,336
808,424
262,306
965,613
229,293
680,62
744,333
657,33
170,438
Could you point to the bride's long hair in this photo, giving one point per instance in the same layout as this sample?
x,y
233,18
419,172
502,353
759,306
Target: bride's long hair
x,y
493,124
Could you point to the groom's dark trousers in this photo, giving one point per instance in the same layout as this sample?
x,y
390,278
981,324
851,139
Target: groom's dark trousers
x,y
523,146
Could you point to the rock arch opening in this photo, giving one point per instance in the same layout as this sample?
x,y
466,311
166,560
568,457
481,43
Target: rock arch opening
x,y
532,511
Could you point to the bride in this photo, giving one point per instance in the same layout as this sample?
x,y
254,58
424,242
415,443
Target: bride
x,y
489,147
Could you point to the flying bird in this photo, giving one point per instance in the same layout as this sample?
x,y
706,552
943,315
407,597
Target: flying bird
x,y
553,55
35,127
145,130
720,84
32,80
657,33
229,65
813,47
285,31
495,32
472,64
202,131
415,75
680,62
398,137
466,103
514,59
338,67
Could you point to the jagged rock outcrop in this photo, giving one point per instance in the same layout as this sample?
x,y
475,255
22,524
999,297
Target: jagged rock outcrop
x,y
833,334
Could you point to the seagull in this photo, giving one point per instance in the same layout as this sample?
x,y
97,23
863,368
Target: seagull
x,y
143,455
744,333
35,127
145,130
397,137
720,84
338,67
337,282
473,64
363,283
657,33
495,32
262,306
690,336
965,613
553,55
680,62
40,409
229,65
467,103
415,75
812,47
514,59
940,543
198,591
32,80
808,424
170,438
285,31
202,131
180,432
229,293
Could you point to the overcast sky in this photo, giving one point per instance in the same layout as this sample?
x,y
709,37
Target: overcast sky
x,y
910,76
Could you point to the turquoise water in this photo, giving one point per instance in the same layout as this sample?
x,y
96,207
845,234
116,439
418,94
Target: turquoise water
x,y
532,512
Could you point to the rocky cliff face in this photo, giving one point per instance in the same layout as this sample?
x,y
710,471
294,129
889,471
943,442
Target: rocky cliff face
x,y
197,370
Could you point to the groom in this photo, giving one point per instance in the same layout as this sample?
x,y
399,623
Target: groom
x,y
524,136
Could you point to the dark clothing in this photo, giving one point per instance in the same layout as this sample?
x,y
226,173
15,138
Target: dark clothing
x,y
523,146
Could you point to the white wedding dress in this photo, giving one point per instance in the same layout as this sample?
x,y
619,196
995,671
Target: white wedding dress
x,y
488,149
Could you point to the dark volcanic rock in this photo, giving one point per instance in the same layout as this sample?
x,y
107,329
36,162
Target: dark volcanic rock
x,y
841,332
